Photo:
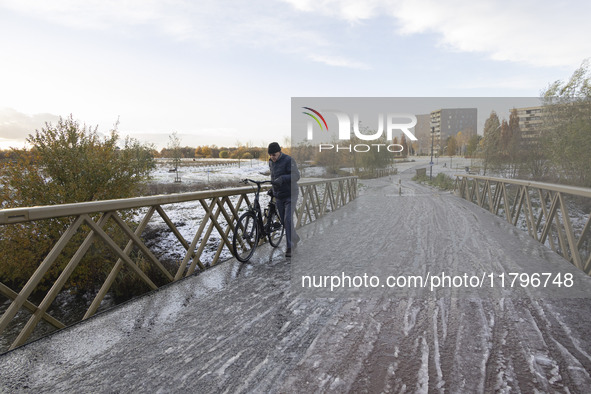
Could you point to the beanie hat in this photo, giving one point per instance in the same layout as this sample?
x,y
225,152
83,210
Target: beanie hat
x,y
274,148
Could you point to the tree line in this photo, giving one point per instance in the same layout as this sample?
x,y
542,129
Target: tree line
x,y
559,150
213,151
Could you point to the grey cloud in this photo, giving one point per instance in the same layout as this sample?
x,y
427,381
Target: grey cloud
x,y
16,126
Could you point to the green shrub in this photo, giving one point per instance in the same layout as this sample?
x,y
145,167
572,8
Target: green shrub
x,y
68,163
444,182
440,181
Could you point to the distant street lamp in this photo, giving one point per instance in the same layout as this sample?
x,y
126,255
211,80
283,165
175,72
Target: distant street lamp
x,y
450,155
431,163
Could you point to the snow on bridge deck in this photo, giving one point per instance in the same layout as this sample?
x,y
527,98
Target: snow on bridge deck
x,y
250,328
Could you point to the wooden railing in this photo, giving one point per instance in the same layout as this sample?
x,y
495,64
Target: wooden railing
x,y
546,211
221,208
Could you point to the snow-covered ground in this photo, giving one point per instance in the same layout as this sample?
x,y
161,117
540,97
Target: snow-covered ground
x,y
254,328
444,164
216,171
577,214
204,171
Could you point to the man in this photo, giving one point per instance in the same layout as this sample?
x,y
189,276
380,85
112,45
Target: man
x,y
284,176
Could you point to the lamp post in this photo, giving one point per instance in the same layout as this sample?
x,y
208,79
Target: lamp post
x,y
431,163
451,158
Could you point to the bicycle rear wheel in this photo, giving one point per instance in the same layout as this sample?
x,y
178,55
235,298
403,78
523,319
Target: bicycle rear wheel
x,y
246,237
276,229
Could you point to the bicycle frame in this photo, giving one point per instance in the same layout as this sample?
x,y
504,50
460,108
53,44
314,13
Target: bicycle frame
x,y
256,209
257,225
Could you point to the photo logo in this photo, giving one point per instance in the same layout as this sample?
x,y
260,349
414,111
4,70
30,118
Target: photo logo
x,y
344,121
315,118
393,121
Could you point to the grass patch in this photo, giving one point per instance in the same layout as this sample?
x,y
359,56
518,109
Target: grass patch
x,y
441,181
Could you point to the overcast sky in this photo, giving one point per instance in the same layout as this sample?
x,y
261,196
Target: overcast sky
x,y
222,72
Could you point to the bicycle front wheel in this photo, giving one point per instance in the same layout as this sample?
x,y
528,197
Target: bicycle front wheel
x,y
246,237
276,229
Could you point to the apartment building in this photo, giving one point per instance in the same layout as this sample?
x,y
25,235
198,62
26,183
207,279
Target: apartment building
x,y
448,122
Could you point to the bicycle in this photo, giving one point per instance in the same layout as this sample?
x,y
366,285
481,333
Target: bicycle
x,y
252,226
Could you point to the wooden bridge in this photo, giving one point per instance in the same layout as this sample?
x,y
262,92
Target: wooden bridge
x,y
260,327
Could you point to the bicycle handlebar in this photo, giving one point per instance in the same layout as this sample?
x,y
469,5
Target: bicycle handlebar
x,y
256,182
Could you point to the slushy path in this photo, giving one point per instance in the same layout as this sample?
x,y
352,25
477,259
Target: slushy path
x,y
247,328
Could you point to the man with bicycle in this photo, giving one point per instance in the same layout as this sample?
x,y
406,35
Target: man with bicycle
x,y
284,177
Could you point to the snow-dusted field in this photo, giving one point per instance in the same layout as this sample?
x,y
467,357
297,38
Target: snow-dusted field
x,y
448,166
204,171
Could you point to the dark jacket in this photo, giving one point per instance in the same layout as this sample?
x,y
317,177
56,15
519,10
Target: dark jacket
x,y
284,175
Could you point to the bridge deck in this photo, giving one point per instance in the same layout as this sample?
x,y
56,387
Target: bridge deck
x,y
248,328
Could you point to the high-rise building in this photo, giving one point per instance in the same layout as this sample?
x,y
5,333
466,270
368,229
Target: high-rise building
x,y
448,122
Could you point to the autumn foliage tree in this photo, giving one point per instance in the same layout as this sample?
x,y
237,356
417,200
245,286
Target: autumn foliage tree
x,y
72,163
491,142
567,128
67,163
512,144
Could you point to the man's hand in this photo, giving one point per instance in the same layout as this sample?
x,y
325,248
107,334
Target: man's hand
x,y
278,182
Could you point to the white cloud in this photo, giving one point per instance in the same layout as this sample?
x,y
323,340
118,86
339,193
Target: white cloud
x,y
522,82
98,14
538,33
254,24
158,84
339,61
351,10
535,33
